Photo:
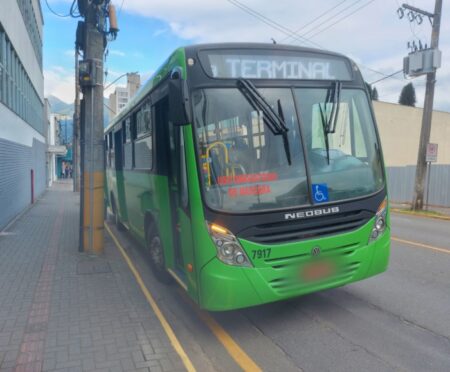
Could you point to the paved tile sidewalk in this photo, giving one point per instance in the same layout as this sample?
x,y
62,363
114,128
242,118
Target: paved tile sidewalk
x,y
62,310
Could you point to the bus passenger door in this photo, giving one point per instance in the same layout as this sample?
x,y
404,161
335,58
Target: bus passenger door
x,y
182,230
119,194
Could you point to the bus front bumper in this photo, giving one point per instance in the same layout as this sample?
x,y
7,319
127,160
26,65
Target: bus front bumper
x,y
227,287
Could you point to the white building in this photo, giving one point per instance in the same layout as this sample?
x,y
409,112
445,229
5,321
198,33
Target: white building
x,y
122,95
22,125
54,147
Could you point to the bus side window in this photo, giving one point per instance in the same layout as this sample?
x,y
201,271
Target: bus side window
x,y
128,145
118,149
111,149
143,146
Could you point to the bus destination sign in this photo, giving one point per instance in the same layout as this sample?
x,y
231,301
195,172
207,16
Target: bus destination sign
x,y
265,66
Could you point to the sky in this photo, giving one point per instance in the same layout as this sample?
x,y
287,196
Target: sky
x,y
368,31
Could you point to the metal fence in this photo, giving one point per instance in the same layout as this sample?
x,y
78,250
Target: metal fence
x,y
401,184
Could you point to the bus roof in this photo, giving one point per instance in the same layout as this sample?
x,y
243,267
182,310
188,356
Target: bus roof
x,y
178,59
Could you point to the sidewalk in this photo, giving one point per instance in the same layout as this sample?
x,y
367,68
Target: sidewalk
x,y
63,310
406,207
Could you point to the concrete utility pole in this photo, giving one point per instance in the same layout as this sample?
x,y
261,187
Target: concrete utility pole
x,y
427,111
92,147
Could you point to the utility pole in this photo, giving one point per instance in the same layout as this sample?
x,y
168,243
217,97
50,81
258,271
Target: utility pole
x,y
417,203
91,39
92,173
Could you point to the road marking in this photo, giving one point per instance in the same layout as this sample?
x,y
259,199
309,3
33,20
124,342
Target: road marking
x,y
232,347
167,328
421,245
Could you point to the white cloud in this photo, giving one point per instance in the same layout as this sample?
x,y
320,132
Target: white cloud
x,y
160,31
60,82
118,53
374,36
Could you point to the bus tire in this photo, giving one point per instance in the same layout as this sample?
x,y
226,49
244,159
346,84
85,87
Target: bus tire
x,y
156,254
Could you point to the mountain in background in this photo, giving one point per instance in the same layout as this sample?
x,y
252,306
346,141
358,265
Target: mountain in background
x,y
63,108
60,107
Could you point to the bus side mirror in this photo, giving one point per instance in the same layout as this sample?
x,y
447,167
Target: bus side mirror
x,y
178,102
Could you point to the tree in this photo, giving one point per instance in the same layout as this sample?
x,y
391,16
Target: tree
x,y
372,91
374,94
408,95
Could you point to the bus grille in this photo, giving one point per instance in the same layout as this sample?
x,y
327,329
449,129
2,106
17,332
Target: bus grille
x,y
282,232
332,253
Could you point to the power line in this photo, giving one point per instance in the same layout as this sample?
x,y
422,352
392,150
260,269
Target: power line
x,y
332,17
271,22
286,30
57,14
342,18
313,20
120,9
387,76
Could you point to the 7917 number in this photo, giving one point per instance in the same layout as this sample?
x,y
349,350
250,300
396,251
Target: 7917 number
x,y
261,253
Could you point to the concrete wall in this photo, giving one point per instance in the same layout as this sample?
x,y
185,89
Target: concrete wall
x,y
399,128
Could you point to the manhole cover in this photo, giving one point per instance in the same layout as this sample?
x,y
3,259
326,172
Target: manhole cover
x,y
93,267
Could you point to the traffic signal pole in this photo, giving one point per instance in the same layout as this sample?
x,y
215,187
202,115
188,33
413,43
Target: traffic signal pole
x,y
418,201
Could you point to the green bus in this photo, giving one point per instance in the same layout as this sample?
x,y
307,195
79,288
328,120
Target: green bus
x,y
251,173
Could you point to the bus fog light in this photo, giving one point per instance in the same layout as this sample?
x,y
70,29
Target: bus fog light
x,y
240,259
229,250
380,222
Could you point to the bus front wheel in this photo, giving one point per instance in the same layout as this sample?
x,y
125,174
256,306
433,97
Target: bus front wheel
x,y
157,260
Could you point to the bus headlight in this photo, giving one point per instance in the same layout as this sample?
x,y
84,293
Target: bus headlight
x,y
380,221
229,251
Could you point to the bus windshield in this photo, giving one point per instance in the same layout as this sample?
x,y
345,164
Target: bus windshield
x,y
244,166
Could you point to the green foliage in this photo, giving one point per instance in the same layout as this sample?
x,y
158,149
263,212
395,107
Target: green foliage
x,y
372,91
408,95
375,94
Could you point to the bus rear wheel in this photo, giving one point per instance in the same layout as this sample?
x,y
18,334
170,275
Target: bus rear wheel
x,y
157,260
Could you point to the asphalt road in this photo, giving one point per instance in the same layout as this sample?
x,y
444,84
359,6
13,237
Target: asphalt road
x,y
397,321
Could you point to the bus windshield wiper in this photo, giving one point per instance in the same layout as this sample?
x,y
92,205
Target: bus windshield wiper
x,y
274,121
329,123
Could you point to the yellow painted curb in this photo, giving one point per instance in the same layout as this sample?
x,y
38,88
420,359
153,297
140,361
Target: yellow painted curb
x,y
166,326
418,214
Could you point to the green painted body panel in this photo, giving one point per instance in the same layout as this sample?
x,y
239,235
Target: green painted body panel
x,y
270,282
217,286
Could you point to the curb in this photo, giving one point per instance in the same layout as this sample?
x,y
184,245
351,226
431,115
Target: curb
x,y
416,214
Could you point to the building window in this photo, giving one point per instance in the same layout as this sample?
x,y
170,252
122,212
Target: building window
x,y
16,89
30,20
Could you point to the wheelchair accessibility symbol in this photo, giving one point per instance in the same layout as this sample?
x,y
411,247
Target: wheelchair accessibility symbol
x,y
320,192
